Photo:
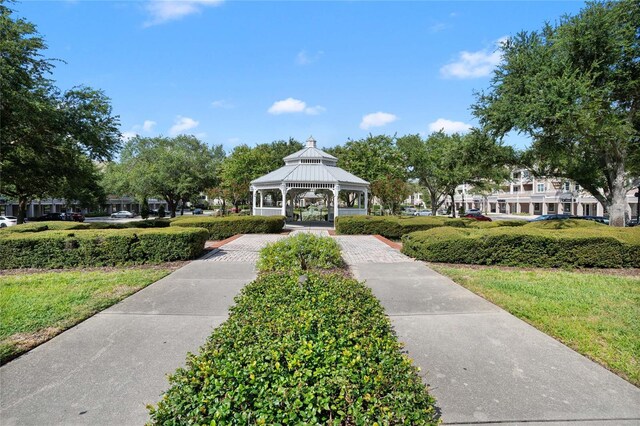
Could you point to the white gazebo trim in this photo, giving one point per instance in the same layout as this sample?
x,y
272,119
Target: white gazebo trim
x,y
309,169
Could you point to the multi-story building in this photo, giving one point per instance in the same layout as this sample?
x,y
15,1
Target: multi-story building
x,y
53,205
529,195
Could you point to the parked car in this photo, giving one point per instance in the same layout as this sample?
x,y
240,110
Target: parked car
x,y
77,217
197,211
599,219
633,222
423,213
473,211
122,214
48,217
408,211
551,217
6,221
478,216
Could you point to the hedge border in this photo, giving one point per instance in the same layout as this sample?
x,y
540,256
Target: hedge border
x,y
90,248
227,226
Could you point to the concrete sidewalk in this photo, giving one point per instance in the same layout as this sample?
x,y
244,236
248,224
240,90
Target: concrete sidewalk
x,y
484,365
106,369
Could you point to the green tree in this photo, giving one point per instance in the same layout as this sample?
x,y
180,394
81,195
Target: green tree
x,y
441,162
172,168
391,192
245,164
372,158
47,136
574,88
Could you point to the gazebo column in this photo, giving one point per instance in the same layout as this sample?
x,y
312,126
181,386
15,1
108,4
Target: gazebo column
x,y
283,189
253,192
366,201
336,192
261,199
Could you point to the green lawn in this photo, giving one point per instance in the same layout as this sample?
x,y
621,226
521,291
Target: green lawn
x,y
36,307
596,314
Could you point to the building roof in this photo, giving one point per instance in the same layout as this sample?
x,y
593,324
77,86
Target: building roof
x,y
312,165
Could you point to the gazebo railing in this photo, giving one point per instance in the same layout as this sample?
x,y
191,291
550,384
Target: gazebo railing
x,y
343,211
268,211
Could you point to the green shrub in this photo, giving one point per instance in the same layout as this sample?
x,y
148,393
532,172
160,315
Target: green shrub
x,y
81,248
61,225
300,252
566,243
224,227
317,352
393,227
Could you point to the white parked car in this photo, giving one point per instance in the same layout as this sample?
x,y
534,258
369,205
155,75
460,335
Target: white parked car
x,y
121,214
423,213
8,221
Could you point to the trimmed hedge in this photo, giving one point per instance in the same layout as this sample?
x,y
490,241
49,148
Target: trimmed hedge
x,y
224,227
63,225
396,226
565,243
316,350
300,252
75,248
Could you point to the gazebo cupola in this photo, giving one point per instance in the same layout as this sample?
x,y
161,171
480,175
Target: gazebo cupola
x,y
309,169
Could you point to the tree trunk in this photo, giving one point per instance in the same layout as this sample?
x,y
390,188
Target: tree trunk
x,y
453,205
616,201
434,203
617,206
172,206
22,209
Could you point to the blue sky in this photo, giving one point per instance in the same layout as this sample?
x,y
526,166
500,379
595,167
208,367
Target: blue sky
x,y
235,72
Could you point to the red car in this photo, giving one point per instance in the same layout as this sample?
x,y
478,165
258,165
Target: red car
x,y
477,216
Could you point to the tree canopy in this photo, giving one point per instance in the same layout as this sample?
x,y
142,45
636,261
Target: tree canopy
x,y
48,138
245,164
172,168
574,88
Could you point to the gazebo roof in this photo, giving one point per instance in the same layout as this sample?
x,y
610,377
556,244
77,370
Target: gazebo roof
x,y
312,165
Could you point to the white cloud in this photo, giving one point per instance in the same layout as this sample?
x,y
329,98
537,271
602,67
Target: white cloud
x,y
162,11
222,103
449,126
291,106
182,124
437,27
377,119
474,64
303,58
148,125
128,135
314,110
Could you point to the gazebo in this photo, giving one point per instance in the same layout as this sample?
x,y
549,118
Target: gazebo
x,y
309,169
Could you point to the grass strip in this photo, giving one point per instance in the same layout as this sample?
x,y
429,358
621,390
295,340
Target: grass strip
x,y
597,315
36,307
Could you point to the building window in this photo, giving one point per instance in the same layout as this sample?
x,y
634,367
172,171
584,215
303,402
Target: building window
x,y
552,207
565,186
578,187
525,173
516,188
541,187
536,207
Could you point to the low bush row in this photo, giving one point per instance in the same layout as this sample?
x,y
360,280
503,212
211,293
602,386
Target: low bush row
x,y
395,227
86,248
551,244
311,349
224,227
58,226
300,252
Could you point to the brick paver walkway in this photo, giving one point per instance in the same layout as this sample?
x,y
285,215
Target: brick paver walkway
x,y
368,249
